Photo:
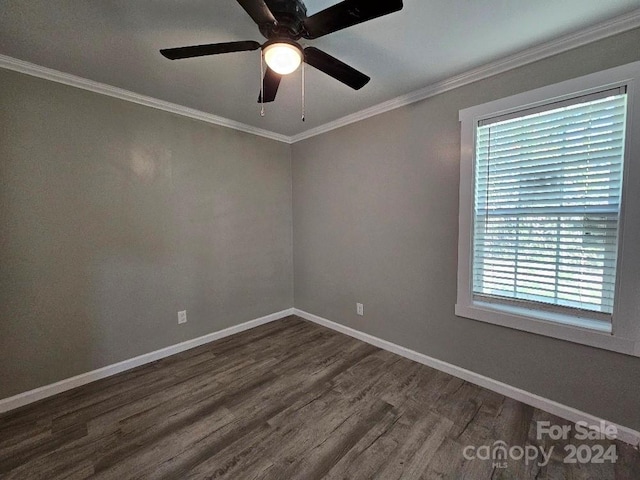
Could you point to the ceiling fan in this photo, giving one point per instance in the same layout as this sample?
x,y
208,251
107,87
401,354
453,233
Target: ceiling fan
x,y
283,23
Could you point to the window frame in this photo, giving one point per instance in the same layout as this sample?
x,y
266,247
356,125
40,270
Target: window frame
x,y
623,334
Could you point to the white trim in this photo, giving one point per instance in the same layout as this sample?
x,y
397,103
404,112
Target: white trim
x,y
532,323
597,32
68,79
602,30
625,434
625,335
34,395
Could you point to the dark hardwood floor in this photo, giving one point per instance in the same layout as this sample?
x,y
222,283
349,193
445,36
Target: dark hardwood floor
x,y
288,400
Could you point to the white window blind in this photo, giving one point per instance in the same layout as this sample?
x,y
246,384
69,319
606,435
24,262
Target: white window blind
x,y
547,200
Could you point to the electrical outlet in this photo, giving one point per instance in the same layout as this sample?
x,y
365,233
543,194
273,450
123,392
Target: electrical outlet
x,y
359,309
182,317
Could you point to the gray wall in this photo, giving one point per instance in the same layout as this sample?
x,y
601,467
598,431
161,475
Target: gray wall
x,y
375,214
115,216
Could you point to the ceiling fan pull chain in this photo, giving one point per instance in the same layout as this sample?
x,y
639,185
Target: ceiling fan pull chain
x,y
303,91
261,84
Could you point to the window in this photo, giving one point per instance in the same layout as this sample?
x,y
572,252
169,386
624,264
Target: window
x,y
542,214
546,204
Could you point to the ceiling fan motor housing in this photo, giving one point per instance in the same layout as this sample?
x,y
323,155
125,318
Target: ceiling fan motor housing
x,y
289,14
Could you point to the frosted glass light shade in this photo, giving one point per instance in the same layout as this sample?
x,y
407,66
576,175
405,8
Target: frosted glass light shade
x,y
282,58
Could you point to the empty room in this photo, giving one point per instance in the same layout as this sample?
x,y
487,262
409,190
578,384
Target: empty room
x,y
320,239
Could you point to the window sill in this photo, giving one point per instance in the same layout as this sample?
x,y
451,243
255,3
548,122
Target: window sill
x,y
583,331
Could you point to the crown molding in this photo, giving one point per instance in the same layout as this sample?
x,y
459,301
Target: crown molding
x,y
32,69
597,32
602,30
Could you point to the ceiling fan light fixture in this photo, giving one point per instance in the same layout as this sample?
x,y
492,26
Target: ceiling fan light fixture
x,y
282,57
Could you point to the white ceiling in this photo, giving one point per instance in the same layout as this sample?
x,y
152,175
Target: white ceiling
x,y
117,41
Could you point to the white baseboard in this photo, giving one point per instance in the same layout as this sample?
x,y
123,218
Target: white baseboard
x,y
34,395
625,434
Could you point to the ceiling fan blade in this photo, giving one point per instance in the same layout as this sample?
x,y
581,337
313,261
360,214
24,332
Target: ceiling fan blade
x,y
258,11
347,14
335,68
210,49
271,83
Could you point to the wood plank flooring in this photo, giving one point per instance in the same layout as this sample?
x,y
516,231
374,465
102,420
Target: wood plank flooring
x,y
287,400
